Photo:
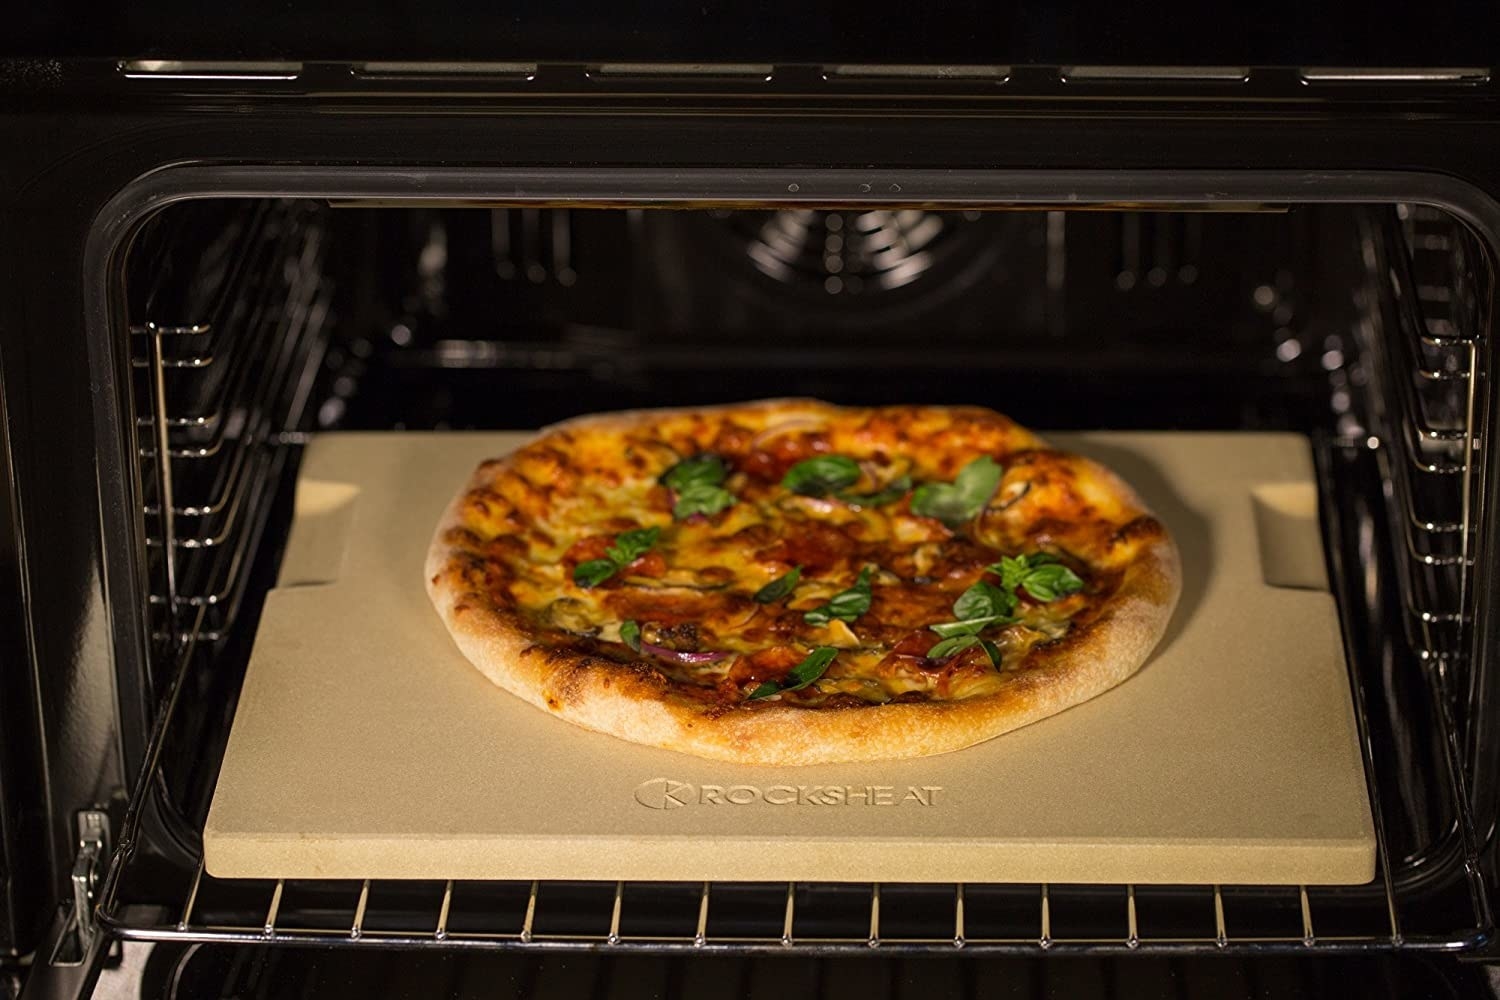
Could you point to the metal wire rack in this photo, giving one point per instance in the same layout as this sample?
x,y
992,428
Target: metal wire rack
x,y
1430,265
1428,893
221,384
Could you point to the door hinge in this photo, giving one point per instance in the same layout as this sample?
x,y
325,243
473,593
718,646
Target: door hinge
x,y
89,859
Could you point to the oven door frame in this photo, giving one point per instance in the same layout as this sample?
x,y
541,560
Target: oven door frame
x,y
112,202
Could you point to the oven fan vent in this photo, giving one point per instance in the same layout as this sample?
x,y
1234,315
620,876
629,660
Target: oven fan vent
x,y
845,253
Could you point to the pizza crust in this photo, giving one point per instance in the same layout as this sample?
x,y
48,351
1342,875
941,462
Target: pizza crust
x,y
635,703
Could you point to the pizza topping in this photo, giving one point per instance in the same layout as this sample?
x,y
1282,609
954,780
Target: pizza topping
x,y
959,643
822,476
1039,574
722,569
800,676
970,626
630,634
697,486
780,587
963,499
650,571
571,615
684,657
980,606
889,494
707,468
833,475
838,634
846,605
769,663
983,605
815,546
784,427
701,500
984,600
628,547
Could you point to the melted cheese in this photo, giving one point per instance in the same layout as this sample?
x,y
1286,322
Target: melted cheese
x,y
571,493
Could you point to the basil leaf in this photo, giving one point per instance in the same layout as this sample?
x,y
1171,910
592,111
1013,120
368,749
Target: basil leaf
x,y
780,587
1039,574
948,647
818,477
765,690
813,666
984,600
628,547
700,470
631,545
1051,581
630,635
594,572
846,605
1011,570
963,499
959,643
970,626
938,500
697,483
897,489
810,669
979,480
701,498
977,608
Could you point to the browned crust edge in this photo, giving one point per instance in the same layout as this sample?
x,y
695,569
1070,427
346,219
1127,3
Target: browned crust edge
x,y
628,702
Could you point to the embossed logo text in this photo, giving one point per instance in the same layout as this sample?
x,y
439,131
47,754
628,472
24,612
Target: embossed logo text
x,y
667,793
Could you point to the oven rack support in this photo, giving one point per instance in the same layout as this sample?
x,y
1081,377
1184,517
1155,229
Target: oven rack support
x,y
1432,333
216,408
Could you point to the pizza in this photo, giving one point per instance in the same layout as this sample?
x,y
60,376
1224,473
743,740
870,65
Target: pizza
x,y
792,582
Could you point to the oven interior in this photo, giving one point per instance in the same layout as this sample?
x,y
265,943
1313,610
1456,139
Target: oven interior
x,y
255,322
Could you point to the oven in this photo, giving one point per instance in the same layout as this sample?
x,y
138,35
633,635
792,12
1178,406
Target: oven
x,y
214,260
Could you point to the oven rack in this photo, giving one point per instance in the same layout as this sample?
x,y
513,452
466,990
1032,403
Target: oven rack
x,y
1426,895
767,916
1436,350
217,405
194,296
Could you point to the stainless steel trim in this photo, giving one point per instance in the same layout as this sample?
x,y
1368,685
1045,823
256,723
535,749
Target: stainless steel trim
x,y
1153,74
755,71
203,69
381,68
1395,74
867,71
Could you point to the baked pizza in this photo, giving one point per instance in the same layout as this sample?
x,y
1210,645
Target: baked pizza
x,y
791,582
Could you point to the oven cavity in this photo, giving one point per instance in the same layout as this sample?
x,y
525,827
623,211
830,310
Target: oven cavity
x,y
254,322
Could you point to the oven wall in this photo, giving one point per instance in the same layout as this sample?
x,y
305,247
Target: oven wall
x,y
23,820
79,134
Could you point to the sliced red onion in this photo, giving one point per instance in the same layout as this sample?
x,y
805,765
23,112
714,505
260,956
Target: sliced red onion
x,y
785,427
678,656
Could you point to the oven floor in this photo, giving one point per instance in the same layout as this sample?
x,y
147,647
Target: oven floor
x,y
205,972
